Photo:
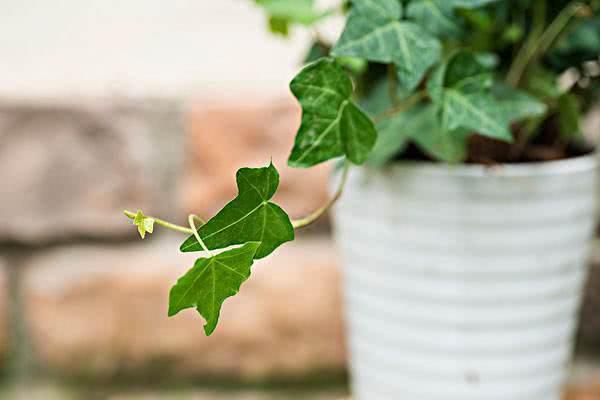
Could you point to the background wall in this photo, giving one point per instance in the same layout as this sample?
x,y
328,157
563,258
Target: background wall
x,y
69,48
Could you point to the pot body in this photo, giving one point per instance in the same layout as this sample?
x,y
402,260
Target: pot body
x,y
464,282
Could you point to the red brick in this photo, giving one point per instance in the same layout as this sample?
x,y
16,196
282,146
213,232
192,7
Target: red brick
x,y
222,139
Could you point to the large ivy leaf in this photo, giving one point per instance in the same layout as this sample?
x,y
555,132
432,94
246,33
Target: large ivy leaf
x,y
332,125
464,90
250,217
211,281
374,32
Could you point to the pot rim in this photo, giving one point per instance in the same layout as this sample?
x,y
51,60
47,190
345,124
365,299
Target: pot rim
x,y
584,163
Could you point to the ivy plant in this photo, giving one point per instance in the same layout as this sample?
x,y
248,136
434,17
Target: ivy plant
x,y
440,80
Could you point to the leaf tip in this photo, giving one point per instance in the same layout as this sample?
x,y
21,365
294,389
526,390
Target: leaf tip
x,y
209,329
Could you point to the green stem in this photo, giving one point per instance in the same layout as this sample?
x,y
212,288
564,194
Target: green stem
x,y
191,219
301,223
539,43
393,88
528,49
163,223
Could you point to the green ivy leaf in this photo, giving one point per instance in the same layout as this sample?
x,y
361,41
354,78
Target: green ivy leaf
x,y
569,115
474,111
211,281
332,125
250,217
374,32
461,89
143,223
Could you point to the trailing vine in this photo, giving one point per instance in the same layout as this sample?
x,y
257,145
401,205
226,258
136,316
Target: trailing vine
x,y
445,79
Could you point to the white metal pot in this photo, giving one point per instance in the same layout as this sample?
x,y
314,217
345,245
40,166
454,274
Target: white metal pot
x,y
464,282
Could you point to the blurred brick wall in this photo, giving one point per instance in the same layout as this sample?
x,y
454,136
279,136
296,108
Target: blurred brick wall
x,y
95,296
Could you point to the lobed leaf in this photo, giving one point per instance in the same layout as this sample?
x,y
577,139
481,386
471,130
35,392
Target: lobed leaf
x,y
374,32
211,281
332,125
250,217
143,223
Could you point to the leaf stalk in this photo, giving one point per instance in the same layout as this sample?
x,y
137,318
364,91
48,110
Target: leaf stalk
x,y
163,223
191,221
539,43
310,219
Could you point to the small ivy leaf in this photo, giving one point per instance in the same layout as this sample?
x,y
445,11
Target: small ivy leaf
x,y
332,125
211,281
461,88
143,223
250,217
374,32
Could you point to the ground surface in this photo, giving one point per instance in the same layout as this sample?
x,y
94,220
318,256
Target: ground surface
x,y
54,392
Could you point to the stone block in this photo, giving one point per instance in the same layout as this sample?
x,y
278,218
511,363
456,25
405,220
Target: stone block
x,y
69,171
101,310
222,139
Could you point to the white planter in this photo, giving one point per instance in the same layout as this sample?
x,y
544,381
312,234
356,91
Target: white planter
x,y
464,282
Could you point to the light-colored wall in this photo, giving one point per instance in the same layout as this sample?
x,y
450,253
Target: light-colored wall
x,y
72,48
